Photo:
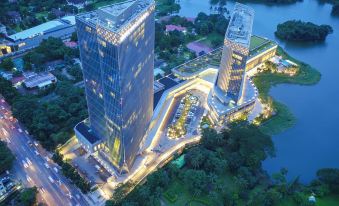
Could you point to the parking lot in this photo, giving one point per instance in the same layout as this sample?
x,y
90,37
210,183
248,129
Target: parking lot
x,y
187,113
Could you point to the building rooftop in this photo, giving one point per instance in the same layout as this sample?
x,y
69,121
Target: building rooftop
x,y
166,82
116,16
40,80
43,28
240,26
259,45
86,132
212,59
171,27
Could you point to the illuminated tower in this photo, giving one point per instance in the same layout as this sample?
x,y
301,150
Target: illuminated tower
x,y
117,53
228,91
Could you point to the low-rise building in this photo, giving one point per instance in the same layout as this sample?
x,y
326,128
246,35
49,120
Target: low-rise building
x,y
77,3
31,38
14,17
39,81
261,49
8,186
171,27
3,29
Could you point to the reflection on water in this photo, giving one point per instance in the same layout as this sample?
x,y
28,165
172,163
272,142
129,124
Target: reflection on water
x,y
313,143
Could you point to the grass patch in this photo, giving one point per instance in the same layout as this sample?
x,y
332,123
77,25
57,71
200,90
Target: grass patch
x,y
41,14
213,40
177,194
106,2
283,119
330,200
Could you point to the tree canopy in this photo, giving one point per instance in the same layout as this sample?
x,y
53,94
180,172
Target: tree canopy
x,y
335,9
28,197
302,31
7,64
6,157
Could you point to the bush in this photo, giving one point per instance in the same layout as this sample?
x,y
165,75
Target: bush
x,y
171,196
335,10
6,157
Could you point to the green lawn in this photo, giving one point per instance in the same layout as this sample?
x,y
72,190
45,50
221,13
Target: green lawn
x,y
214,36
104,3
184,197
331,200
256,41
283,120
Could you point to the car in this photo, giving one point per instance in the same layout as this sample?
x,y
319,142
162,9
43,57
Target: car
x,y
30,143
36,152
2,100
46,165
51,179
42,190
20,130
56,169
28,161
28,178
24,164
26,132
36,143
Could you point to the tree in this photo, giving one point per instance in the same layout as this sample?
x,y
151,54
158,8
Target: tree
x,y
28,196
7,64
195,158
74,36
221,25
330,176
302,31
24,107
335,9
7,90
211,139
6,157
196,181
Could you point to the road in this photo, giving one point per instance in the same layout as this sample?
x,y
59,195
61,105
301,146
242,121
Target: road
x,y
33,167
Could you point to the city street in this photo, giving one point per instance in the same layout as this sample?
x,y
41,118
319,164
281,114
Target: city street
x,y
33,167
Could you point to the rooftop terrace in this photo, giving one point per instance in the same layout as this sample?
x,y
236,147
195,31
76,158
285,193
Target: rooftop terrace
x,y
212,59
240,26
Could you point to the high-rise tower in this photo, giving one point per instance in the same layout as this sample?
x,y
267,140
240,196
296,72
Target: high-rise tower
x,y
228,91
117,53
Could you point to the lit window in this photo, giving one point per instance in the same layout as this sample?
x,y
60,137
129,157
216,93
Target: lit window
x,y
88,29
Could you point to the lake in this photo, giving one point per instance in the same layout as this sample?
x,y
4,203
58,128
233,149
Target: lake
x,y
313,143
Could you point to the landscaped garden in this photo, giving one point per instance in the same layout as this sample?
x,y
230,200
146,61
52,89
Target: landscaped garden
x,y
282,118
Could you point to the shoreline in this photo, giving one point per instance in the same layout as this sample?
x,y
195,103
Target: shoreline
x,y
284,118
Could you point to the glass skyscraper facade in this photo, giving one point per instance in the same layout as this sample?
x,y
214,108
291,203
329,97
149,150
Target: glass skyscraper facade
x,y
228,94
235,51
117,52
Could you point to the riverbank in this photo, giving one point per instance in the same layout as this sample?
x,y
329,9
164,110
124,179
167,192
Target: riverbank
x,y
283,117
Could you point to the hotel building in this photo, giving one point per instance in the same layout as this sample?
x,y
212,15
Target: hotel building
x,y
233,91
117,53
